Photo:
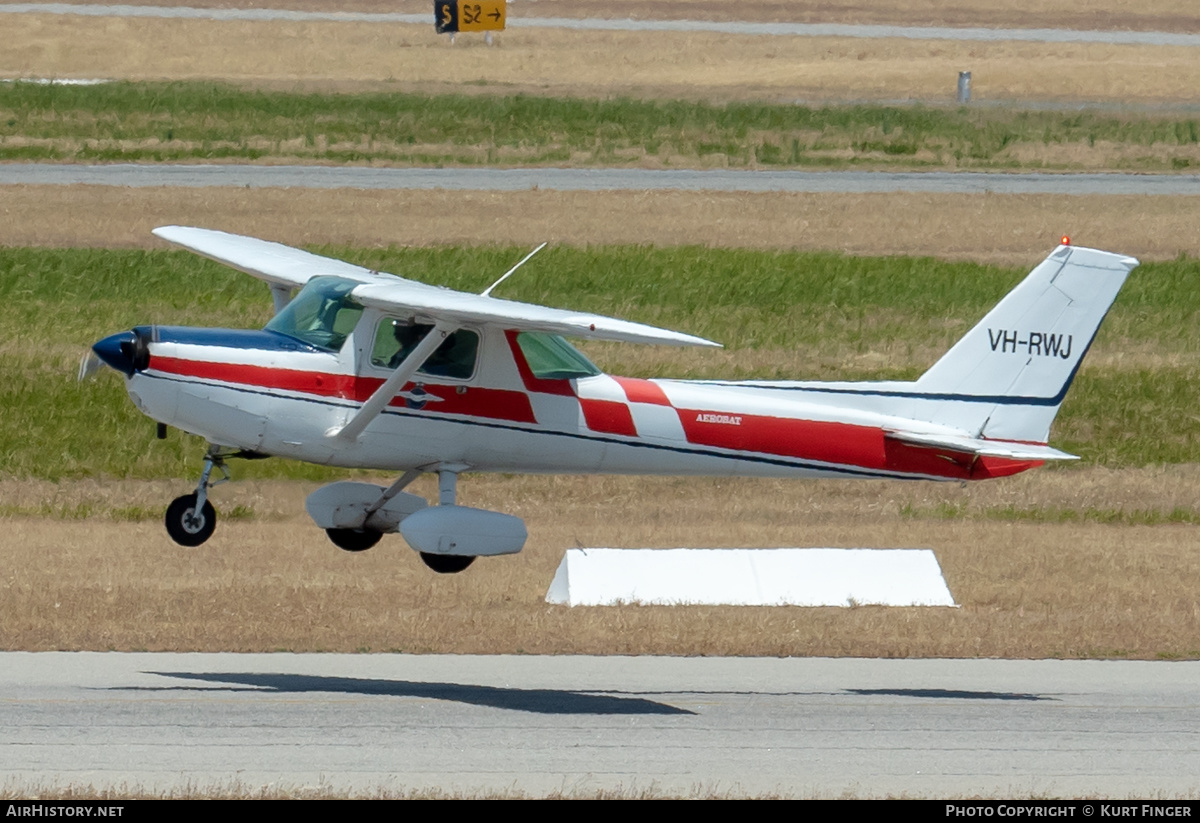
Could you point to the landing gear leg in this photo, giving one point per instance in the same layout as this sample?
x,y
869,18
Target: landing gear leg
x,y
191,519
447,496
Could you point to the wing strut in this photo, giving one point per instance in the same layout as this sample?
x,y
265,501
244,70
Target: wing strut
x,y
281,295
378,401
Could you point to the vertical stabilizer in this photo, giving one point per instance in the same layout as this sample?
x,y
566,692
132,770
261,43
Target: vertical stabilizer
x,y
1007,377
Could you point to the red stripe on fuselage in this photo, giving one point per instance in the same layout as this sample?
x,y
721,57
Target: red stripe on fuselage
x,y
492,404
937,462
307,382
642,391
608,416
807,439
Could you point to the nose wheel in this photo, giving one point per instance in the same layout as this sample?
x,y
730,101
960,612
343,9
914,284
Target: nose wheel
x,y
189,522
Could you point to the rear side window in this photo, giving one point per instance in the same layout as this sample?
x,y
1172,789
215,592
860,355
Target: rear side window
x,y
552,358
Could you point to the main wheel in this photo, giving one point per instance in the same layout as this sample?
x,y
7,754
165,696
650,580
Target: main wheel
x,y
354,540
446,563
188,527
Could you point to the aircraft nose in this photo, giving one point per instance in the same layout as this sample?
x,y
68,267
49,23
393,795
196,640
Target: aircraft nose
x,y
125,351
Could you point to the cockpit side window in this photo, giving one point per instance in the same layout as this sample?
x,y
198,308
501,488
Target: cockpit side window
x,y
323,314
455,358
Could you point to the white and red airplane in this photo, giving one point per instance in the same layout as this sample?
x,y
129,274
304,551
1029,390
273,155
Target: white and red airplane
x,y
363,369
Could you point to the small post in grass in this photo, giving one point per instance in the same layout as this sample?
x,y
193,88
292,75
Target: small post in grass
x,y
964,87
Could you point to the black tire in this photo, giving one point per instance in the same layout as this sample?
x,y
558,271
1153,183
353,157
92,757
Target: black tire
x,y
185,526
446,563
354,540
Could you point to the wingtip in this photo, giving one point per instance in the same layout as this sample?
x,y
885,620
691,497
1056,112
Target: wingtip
x,y
172,233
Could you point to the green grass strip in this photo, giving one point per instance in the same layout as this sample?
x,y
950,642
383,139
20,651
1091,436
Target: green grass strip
x,y
207,121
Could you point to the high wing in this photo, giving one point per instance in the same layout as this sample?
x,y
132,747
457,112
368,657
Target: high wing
x,y
284,267
275,263
461,308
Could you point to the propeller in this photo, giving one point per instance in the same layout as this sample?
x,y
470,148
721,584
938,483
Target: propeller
x,y
89,364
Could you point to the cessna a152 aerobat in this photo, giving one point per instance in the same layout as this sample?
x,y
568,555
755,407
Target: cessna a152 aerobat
x,y
364,369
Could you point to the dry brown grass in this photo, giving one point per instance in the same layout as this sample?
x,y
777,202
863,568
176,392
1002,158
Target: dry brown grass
x,y
1008,229
1160,15
714,66
274,582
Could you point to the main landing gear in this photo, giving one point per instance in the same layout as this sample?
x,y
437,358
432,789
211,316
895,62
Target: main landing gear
x,y
446,563
354,540
355,515
191,519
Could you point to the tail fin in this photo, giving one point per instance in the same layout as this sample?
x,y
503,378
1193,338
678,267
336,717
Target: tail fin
x,y
1011,372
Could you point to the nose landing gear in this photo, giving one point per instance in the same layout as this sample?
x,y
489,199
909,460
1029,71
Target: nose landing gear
x,y
191,519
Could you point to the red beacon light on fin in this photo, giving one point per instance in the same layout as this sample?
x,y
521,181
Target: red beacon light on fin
x,y
1066,241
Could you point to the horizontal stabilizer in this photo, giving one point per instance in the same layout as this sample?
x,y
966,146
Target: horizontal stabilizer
x,y
981,447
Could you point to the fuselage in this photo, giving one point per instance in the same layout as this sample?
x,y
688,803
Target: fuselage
x,y
269,393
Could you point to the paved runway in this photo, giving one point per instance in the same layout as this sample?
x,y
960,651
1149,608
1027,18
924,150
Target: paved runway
x,y
539,724
600,179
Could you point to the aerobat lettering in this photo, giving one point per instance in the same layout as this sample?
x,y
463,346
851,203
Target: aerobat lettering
x,y
727,419
1038,343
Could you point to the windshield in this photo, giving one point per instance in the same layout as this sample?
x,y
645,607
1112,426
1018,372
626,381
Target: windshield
x,y
322,314
552,358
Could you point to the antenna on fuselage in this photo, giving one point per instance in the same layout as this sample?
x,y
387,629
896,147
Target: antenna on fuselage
x,y
504,277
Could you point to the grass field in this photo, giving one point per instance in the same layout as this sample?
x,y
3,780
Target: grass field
x,y
780,314
155,122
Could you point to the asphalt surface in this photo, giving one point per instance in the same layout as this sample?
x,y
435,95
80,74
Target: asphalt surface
x,y
798,727
1038,35
486,179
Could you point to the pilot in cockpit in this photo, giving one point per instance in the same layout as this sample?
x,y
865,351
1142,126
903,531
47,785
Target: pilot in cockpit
x,y
455,357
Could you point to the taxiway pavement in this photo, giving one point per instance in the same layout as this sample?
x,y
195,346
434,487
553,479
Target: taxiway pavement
x,y
598,179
